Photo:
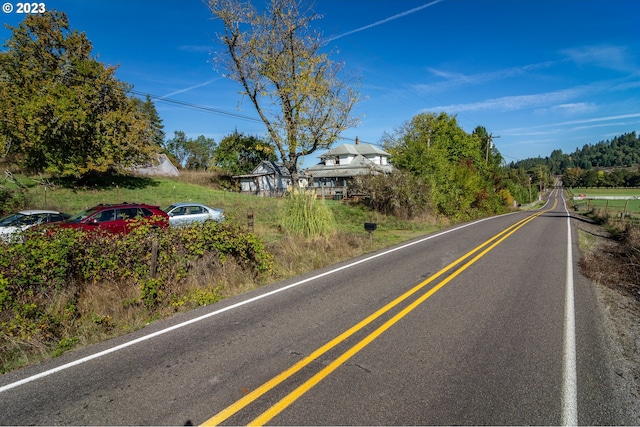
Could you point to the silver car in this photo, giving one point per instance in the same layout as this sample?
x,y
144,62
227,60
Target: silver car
x,y
187,213
12,225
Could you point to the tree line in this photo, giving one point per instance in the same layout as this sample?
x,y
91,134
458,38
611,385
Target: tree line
x,y
611,163
67,114
63,111
619,152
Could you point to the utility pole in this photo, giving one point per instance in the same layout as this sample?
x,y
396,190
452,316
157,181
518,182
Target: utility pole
x,y
489,145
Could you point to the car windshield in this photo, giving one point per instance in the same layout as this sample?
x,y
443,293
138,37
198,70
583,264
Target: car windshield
x,y
20,220
11,220
168,208
82,215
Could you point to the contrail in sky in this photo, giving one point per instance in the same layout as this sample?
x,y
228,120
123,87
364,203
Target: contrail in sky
x,y
384,21
189,88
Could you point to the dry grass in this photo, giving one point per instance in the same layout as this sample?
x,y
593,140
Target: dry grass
x,y
212,179
298,255
615,263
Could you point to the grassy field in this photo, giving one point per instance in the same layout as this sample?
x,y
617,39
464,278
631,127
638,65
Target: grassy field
x,y
631,206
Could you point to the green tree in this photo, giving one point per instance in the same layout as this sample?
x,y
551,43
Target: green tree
x,y
572,177
149,111
493,158
297,91
453,162
542,176
177,147
518,182
200,152
63,111
239,154
190,153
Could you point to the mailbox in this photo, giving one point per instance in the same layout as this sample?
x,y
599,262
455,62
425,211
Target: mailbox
x,y
370,226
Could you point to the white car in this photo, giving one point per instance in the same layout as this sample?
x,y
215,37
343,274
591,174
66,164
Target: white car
x,y
12,225
187,213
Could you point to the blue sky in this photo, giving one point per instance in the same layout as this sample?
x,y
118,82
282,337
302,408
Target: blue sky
x,y
540,74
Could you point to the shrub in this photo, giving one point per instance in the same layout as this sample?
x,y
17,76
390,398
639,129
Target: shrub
x,y
44,279
399,193
12,200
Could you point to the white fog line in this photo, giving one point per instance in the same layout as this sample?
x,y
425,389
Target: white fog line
x,y
231,307
570,381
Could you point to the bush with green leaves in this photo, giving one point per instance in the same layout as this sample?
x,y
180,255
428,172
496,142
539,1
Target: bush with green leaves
x,y
44,276
12,200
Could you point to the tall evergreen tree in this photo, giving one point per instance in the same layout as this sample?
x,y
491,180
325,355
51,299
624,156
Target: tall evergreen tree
x,y
149,111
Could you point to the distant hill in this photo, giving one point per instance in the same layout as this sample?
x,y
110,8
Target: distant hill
x,y
620,152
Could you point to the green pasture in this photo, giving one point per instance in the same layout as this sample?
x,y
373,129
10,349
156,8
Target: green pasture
x,y
631,206
594,192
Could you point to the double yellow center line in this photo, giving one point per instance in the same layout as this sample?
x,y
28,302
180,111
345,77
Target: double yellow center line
x,y
266,416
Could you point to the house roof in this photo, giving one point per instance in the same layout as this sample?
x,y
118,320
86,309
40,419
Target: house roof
x,y
360,165
354,149
267,167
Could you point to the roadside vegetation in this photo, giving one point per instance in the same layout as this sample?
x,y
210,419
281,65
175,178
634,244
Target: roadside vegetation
x,y
610,241
63,289
615,262
610,247
612,252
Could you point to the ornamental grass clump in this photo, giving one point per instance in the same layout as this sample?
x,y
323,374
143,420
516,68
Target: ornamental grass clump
x,y
305,215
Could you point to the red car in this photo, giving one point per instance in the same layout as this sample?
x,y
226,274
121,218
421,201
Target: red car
x,y
117,218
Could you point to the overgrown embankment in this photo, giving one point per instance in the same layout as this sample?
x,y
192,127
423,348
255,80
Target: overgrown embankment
x,y
63,287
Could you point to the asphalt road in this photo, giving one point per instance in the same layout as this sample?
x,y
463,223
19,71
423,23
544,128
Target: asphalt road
x,y
489,323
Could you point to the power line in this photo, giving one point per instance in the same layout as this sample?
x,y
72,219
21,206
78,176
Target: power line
x,y
217,111
198,107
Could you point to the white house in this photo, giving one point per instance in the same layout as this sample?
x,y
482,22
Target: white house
x,y
338,165
268,179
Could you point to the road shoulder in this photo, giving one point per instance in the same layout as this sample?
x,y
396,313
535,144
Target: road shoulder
x,y
620,310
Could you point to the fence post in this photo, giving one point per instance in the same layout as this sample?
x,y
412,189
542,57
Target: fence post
x,y
250,219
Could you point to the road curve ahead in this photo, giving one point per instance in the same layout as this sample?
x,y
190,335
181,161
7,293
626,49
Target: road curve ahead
x,y
487,323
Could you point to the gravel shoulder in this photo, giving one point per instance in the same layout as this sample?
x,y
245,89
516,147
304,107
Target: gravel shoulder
x,y
619,302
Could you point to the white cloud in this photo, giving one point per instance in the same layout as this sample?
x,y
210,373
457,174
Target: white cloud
x,y
604,56
196,48
592,122
569,109
455,80
513,103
